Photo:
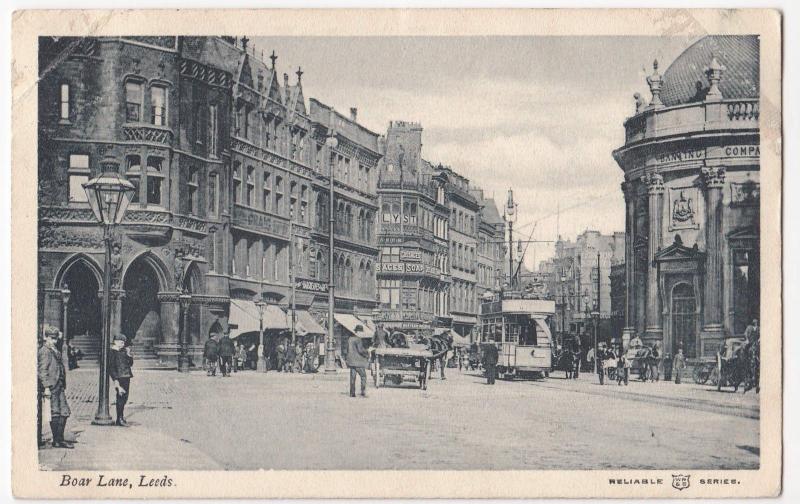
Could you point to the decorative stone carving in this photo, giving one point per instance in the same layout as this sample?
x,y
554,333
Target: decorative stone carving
x,y
655,82
55,237
191,223
683,208
639,102
168,297
714,72
186,250
745,194
713,176
654,183
145,133
66,214
116,263
178,263
147,216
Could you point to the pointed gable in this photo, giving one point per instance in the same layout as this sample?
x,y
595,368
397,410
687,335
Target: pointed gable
x,y
679,252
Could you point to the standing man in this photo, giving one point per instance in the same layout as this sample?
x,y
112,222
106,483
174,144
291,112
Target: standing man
x,y
211,354
576,350
53,379
678,365
490,358
226,351
357,360
119,369
601,358
751,333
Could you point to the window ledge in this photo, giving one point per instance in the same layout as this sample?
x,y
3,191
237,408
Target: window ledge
x,y
64,122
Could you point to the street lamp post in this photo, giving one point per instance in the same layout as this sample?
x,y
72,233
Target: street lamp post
x,y
262,358
65,293
109,196
183,362
330,352
563,304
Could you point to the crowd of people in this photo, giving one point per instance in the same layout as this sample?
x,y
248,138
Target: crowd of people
x,y
221,352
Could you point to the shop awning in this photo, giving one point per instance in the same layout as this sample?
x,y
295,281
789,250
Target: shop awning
x,y
244,317
350,322
304,323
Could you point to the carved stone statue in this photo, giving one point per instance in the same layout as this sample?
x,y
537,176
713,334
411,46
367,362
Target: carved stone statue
x,y
116,264
640,104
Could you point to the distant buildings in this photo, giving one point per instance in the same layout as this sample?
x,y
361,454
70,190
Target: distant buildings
x,y
571,281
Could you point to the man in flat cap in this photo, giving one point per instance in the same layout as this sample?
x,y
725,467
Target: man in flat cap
x,y
119,368
53,379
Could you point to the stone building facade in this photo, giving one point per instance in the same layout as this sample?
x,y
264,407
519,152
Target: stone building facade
x,y
414,271
229,167
691,164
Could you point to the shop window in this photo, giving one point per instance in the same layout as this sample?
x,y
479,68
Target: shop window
x,y
278,195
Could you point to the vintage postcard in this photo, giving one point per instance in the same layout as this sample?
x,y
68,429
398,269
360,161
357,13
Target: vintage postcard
x,y
397,253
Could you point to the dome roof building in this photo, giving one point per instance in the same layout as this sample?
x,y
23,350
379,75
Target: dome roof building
x,y
691,164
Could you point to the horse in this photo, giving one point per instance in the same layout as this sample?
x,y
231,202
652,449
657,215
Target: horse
x,y
567,361
734,371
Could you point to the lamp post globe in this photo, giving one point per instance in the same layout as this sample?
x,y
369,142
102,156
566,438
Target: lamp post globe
x,y
109,196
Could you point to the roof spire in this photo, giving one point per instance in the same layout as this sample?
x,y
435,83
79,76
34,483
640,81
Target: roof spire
x,y
714,72
655,81
273,57
245,40
299,73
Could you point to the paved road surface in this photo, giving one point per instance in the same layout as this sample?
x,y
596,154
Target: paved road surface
x,y
280,421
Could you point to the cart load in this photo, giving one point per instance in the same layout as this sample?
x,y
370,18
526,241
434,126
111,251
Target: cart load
x,y
397,365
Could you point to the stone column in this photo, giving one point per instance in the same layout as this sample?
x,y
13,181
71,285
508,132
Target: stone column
x,y
655,199
117,296
170,311
52,309
629,190
714,179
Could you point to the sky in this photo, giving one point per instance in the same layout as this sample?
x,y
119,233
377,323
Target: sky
x,y
540,115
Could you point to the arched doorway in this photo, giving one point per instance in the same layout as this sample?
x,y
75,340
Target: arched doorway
x,y
84,310
684,319
141,310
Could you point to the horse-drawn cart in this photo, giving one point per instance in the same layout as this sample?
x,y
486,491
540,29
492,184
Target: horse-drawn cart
x,y
401,364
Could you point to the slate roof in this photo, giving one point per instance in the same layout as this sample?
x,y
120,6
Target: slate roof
x,y
489,213
738,53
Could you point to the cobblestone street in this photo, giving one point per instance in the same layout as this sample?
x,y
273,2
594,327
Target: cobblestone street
x,y
280,421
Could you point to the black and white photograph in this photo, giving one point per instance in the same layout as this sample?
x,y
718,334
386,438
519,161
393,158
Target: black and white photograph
x,y
415,252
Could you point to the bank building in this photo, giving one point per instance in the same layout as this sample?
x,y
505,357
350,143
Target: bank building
x,y
691,163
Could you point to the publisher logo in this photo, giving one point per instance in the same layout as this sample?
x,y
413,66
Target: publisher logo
x,y
680,481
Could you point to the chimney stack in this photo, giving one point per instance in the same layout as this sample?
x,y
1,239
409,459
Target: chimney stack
x,y
286,80
353,114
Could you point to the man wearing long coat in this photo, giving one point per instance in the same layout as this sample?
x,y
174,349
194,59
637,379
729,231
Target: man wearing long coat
x,y
357,360
53,379
490,358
